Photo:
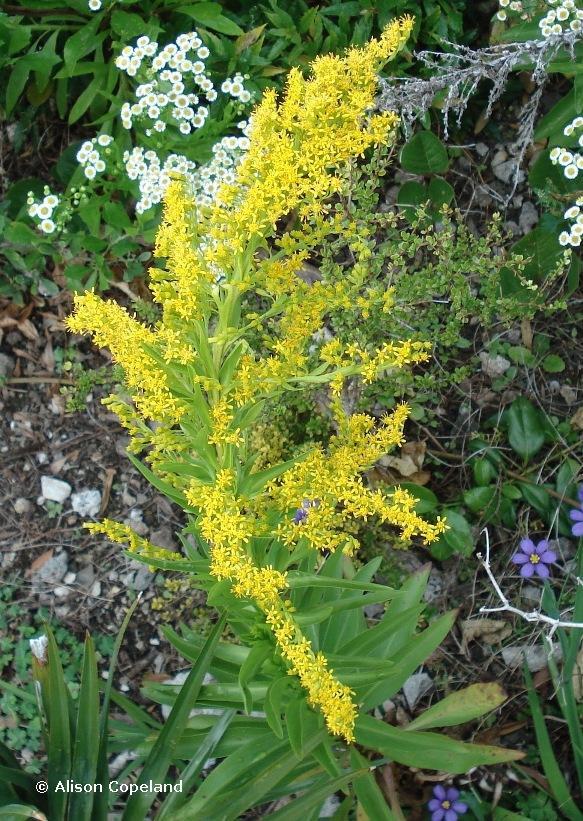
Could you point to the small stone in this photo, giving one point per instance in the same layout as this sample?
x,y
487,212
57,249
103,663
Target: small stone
x,y
528,217
86,576
21,506
61,592
481,149
55,490
136,522
499,157
163,537
531,593
42,458
554,386
70,578
512,227
52,571
494,366
95,590
535,656
506,172
416,686
569,394
6,365
86,502
143,578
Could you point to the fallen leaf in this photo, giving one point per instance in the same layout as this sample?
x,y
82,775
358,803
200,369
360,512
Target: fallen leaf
x,y
490,631
39,561
577,419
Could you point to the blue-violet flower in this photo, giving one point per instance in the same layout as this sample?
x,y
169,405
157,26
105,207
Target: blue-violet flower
x,y
576,515
444,805
534,558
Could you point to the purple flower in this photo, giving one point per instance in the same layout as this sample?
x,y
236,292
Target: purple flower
x,y
444,805
301,513
534,558
577,515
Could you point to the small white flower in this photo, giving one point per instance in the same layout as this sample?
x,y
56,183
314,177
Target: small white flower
x,y
576,230
562,14
502,16
568,130
571,172
185,128
575,241
44,211
90,172
47,226
99,166
504,3
564,238
94,5
160,125
577,122
52,201
104,140
153,112
572,212
226,86
244,96
565,158
38,647
33,210
203,52
211,96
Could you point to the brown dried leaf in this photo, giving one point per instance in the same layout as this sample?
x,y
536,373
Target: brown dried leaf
x,y
40,561
577,419
490,631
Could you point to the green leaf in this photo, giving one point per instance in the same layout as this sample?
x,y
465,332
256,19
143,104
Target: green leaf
x,y
367,790
81,43
16,83
313,799
59,731
209,14
457,708
543,250
163,752
440,192
86,745
127,25
424,154
457,540
478,499
411,196
426,502
552,770
10,811
409,659
525,429
273,703
432,751
553,364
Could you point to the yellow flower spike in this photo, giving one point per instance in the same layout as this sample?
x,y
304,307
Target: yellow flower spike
x,y
112,327
123,534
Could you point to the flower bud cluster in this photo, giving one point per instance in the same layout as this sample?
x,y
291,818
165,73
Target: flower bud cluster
x,y
91,158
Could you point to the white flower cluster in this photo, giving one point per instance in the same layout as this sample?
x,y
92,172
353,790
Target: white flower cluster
x,y
90,157
236,88
572,162
175,82
564,15
575,214
43,210
154,176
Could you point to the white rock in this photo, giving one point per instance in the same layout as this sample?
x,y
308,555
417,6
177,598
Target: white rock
x,y
534,655
21,505
42,458
416,686
55,490
95,589
494,365
86,502
70,578
505,171
61,591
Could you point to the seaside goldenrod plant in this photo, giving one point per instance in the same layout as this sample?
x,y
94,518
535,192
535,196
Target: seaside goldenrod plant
x,y
270,545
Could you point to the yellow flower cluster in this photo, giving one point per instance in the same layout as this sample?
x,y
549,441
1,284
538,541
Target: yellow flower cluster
x,y
228,529
123,534
327,480
222,419
112,327
322,122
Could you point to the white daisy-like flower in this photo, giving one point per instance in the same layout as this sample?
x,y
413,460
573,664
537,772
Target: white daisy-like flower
x,y
52,201
47,226
185,128
90,172
160,125
564,238
44,211
203,52
571,171
105,140
572,212
94,5
99,166
565,158
502,16
244,96
33,210
226,86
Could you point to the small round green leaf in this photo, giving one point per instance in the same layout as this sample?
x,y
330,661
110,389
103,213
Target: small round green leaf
x,y
424,154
